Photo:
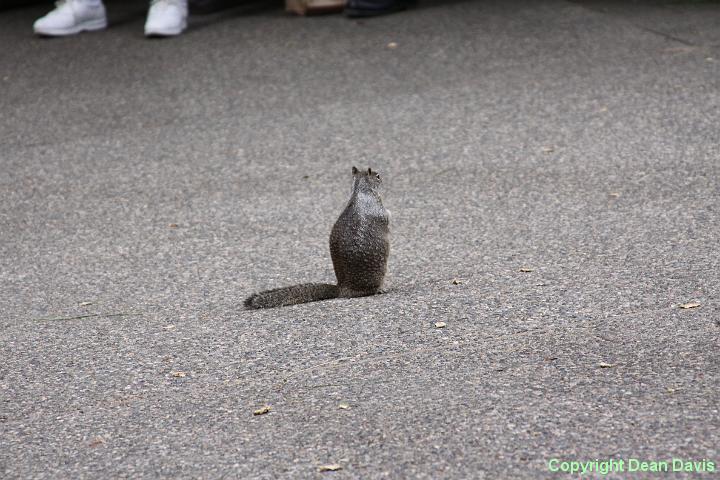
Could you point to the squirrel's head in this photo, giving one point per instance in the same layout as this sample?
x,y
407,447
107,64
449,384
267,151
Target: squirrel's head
x,y
366,179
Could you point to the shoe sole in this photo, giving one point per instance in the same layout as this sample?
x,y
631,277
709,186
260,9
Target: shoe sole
x,y
156,32
88,26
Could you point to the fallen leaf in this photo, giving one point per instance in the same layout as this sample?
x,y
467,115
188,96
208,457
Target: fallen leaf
x,y
440,324
547,149
178,374
392,45
526,270
263,410
343,406
173,225
614,194
605,365
96,442
85,304
332,467
169,327
456,281
690,305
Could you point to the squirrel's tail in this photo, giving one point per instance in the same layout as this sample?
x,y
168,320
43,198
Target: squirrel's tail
x,y
280,297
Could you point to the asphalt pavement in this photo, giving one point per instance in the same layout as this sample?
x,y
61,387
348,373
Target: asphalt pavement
x,y
553,174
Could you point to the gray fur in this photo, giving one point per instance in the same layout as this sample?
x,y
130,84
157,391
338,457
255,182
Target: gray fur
x,y
280,297
359,247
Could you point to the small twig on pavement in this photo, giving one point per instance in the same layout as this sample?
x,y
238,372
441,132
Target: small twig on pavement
x,y
128,314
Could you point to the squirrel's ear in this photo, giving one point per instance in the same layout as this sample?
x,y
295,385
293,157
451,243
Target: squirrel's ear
x,y
355,170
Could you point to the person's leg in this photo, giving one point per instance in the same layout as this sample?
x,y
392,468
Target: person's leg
x,y
72,16
371,8
166,18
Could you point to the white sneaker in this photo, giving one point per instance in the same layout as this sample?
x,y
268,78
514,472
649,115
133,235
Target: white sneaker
x,y
72,16
166,18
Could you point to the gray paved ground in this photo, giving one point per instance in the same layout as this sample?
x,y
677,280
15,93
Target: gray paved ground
x,y
579,140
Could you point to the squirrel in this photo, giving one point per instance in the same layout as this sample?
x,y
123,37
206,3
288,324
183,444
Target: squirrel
x,y
359,247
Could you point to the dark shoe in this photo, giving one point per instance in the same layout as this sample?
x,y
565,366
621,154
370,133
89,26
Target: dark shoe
x,y
205,7
372,8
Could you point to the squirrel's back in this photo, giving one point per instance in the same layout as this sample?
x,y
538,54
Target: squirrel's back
x,y
359,241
